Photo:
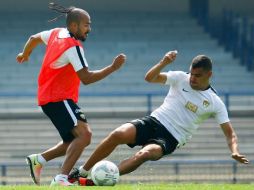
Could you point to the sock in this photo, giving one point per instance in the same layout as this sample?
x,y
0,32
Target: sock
x,y
61,176
41,159
83,172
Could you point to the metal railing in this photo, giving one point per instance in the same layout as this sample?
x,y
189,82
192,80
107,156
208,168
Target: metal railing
x,y
234,101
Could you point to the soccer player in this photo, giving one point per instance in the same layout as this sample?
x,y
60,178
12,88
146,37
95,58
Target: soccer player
x,y
190,100
64,66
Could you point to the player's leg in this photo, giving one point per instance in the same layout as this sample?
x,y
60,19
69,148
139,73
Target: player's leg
x,y
148,152
82,133
56,151
82,139
73,128
156,141
132,133
36,161
136,132
124,134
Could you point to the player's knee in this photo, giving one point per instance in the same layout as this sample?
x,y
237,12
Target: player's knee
x,y
143,155
85,136
117,136
85,141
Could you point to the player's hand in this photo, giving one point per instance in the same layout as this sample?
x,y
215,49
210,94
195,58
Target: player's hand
x,y
169,57
118,61
22,58
240,158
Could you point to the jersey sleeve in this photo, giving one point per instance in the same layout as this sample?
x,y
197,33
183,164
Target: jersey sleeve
x,y
221,114
76,57
45,36
173,77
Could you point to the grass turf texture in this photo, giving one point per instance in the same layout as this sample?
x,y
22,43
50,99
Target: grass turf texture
x,y
142,187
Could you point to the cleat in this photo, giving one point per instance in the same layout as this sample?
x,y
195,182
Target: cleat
x,y
35,168
74,175
85,182
61,182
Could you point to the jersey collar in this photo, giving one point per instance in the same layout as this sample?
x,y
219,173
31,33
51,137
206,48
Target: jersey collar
x,y
64,33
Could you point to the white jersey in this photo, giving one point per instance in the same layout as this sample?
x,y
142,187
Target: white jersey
x,y
73,55
184,108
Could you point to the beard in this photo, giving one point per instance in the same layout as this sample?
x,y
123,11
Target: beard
x,y
82,39
80,36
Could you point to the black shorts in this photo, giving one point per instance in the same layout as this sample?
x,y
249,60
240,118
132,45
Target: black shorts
x,y
64,115
150,130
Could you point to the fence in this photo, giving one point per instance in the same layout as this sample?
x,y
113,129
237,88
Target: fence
x,y
119,103
234,101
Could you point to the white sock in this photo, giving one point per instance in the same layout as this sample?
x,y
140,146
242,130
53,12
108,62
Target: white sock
x,y
61,176
83,172
41,159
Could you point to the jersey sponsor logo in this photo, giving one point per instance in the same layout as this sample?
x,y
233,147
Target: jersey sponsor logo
x,y
206,103
192,107
185,90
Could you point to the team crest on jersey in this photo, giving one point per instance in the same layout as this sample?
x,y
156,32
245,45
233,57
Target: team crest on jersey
x,y
192,107
206,103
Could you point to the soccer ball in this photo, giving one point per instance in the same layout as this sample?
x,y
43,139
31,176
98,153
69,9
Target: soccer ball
x,y
105,173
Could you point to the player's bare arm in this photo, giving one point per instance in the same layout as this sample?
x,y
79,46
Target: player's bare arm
x,y
32,42
154,75
232,143
88,77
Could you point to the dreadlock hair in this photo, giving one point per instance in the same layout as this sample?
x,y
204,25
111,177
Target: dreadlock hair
x,y
71,15
59,8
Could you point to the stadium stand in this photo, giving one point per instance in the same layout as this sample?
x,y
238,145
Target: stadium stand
x,y
112,33
131,34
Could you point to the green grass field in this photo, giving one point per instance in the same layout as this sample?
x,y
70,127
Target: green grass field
x,y
144,187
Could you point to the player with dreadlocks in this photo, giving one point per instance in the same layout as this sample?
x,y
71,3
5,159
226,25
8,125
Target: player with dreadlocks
x,y
64,66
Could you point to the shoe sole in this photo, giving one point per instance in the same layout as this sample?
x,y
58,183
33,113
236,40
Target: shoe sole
x,y
29,162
